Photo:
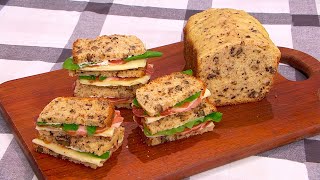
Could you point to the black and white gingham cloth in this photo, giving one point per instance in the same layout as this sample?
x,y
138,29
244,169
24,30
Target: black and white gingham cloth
x,y
36,37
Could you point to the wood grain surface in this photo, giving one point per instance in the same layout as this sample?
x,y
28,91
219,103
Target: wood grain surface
x,y
290,112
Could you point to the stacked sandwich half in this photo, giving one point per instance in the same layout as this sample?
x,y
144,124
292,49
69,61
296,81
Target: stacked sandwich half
x,y
174,107
82,130
111,67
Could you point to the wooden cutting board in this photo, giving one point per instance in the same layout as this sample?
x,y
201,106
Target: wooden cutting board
x,y
290,112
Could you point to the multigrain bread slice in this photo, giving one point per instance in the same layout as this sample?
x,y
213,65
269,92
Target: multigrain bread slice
x,y
91,144
113,47
139,72
179,119
64,153
152,141
44,150
75,110
166,91
232,53
82,90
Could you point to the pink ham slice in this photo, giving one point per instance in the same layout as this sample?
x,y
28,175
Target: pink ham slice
x,y
198,127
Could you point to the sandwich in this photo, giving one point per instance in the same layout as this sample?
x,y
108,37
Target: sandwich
x,y
82,130
173,107
108,65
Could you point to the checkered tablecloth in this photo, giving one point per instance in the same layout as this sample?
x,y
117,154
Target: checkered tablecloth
x,y
36,37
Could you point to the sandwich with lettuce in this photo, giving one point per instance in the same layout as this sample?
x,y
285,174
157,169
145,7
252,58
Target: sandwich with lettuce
x,y
82,130
111,67
173,107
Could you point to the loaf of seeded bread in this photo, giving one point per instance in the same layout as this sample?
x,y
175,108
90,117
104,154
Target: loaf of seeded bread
x,y
104,48
164,92
232,53
75,110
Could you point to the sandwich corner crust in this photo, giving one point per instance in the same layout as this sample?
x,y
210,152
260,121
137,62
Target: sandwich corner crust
x,y
75,110
113,47
164,92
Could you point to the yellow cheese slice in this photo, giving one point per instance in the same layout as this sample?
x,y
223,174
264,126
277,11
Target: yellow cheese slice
x,y
129,65
82,157
106,82
107,133
149,120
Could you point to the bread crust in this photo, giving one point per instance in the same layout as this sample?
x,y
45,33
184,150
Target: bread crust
x,y
232,53
103,48
75,110
82,90
164,92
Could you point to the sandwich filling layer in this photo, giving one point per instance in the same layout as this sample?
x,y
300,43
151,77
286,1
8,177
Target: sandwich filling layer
x,y
116,67
114,81
76,155
190,125
185,105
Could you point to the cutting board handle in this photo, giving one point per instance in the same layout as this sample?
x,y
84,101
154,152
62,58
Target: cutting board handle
x,y
300,60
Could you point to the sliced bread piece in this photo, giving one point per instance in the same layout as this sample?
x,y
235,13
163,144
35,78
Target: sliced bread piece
x,y
166,91
105,48
81,111
82,90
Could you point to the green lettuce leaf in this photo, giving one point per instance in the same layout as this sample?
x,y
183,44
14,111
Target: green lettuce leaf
x,y
106,155
189,99
147,54
48,124
215,117
189,72
92,77
70,127
68,64
136,103
101,78
91,130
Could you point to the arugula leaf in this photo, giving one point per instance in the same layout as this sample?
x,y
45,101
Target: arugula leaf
x,y
147,54
189,99
48,124
136,103
70,127
68,64
101,78
106,155
42,123
91,130
92,77
189,72
215,116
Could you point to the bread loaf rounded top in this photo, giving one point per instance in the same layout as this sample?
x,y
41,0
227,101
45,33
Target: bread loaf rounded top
x,y
81,111
214,28
166,91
